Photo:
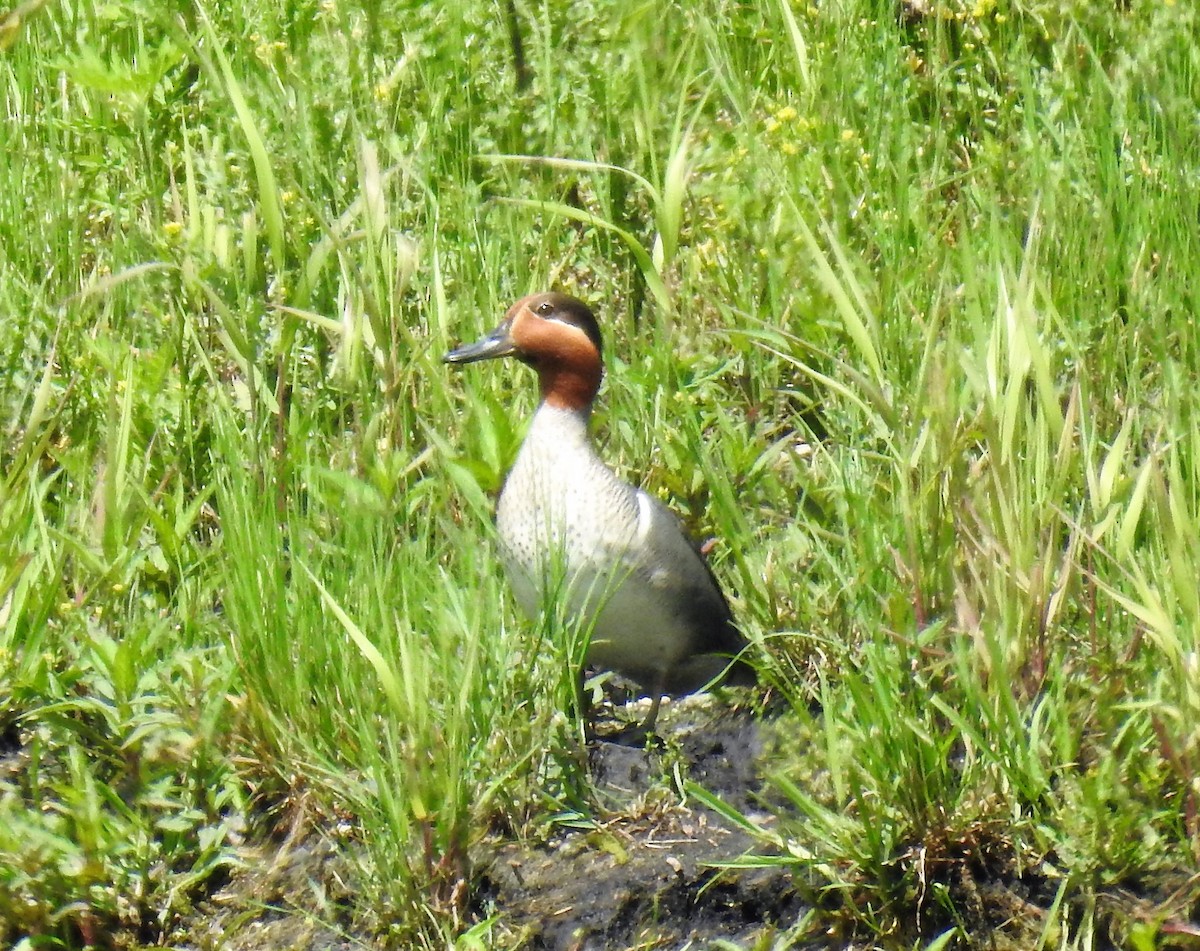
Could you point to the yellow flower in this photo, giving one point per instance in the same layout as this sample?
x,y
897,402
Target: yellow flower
x,y
786,114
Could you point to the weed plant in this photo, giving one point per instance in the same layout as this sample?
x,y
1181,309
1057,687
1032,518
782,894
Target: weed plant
x,y
900,304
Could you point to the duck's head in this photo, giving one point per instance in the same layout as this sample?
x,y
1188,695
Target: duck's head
x,y
555,334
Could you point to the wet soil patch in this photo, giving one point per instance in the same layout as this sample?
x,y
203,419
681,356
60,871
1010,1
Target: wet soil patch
x,y
649,875
643,882
286,896
645,873
649,870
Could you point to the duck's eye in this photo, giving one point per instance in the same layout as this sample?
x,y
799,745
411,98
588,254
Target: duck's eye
x,y
545,308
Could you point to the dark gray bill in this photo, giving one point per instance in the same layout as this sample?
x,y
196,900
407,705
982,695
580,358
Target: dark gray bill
x,y
496,344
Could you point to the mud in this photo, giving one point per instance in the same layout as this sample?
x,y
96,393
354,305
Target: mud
x,y
645,875
650,875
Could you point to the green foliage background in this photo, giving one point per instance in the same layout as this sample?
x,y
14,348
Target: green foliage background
x,y
900,305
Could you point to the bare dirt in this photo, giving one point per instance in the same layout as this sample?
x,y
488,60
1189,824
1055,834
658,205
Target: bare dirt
x,y
647,874
650,875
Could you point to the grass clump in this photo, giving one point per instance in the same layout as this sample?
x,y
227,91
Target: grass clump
x,y
895,297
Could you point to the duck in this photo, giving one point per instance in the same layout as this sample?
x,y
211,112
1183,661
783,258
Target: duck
x,y
567,524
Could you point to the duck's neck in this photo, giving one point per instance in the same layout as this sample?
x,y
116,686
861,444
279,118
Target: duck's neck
x,y
570,387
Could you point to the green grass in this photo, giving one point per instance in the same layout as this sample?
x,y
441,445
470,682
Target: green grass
x,y
900,309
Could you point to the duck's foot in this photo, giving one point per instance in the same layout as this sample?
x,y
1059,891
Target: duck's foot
x,y
633,735
637,734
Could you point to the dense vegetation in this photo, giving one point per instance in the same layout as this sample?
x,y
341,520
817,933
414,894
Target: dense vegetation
x,y
900,300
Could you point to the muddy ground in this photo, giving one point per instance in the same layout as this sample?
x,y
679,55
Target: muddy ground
x,y
646,872
646,876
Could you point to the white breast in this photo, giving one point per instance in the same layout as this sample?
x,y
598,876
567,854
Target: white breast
x,y
572,531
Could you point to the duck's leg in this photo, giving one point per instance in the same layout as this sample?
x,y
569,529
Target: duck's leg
x,y
636,734
645,729
647,725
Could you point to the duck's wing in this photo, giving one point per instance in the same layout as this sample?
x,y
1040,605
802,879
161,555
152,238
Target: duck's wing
x,y
676,564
